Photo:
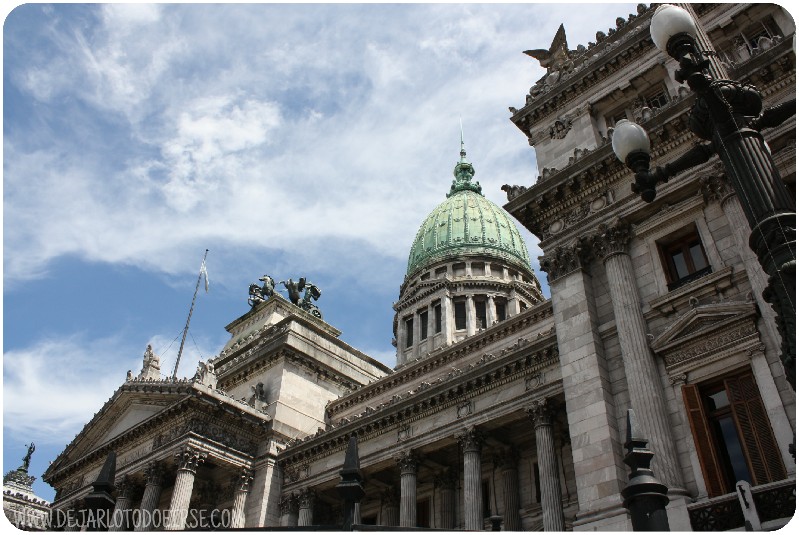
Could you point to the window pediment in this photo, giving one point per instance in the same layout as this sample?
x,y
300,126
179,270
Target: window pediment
x,y
706,333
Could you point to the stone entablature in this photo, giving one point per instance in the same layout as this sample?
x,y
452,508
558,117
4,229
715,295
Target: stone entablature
x,y
524,358
411,372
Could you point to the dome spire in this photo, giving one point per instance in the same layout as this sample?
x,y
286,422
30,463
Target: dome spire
x,y
463,173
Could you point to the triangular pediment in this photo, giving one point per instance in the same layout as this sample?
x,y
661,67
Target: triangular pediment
x,y
128,407
701,321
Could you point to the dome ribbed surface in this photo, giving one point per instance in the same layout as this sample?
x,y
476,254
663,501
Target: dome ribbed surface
x,y
467,223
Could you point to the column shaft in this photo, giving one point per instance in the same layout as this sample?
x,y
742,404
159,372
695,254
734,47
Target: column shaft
x,y
408,465
471,442
119,518
241,490
551,500
181,496
643,379
471,317
510,492
151,497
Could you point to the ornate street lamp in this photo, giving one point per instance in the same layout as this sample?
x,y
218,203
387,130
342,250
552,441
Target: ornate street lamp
x,y
729,115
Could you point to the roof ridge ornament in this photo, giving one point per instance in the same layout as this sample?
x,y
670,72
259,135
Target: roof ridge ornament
x,y
464,171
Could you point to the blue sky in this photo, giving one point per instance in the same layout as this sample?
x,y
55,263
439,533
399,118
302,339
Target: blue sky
x,y
294,140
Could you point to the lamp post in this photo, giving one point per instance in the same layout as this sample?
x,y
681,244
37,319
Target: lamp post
x,y
729,115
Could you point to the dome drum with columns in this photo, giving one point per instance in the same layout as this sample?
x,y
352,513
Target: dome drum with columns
x,y
468,269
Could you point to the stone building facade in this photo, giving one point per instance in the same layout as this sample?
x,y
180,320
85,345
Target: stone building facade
x,y
505,406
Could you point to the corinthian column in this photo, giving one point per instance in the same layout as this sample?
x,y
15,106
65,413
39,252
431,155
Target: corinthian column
x,y
643,379
187,460
121,514
241,488
471,442
551,501
307,498
289,511
510,491
389,515
408,463
447,483
154,478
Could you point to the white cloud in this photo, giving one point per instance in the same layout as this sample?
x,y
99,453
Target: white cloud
x,y
50,387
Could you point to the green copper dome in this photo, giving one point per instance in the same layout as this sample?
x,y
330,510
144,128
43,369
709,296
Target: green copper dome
x,y
467,223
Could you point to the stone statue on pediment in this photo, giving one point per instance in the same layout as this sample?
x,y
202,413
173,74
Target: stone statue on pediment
x,y
151,365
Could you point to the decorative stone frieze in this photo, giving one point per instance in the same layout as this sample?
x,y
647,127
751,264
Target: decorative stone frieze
x,y
714,186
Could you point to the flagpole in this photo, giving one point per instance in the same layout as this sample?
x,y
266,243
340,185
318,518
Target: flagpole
x,y
188,320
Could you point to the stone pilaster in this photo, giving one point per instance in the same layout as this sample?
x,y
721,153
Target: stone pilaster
x,y
599,471
447,318
509,477
241,488
154,480
643,378
306,502
471,316
389,503
408,463
188,459
120,518
541,414
471,441
447,488
491,311
289,511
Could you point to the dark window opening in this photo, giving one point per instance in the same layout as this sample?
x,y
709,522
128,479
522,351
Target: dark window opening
x,y
537,483
478,269
480,313
423,325
460,315
501,314
408,332
437,317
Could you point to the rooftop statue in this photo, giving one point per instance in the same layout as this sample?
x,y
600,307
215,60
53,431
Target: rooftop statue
x,y
304,302
261,293
26,461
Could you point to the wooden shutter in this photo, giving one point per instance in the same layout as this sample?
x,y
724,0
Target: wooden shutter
x,y
705,448
762,452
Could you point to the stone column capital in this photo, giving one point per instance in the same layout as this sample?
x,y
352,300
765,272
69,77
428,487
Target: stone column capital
x,y
541,412
408,462
306,498
124,487
612,239
714,186
289,504
154,473
389,497
565,259
241,481
189,459
448,479
471,440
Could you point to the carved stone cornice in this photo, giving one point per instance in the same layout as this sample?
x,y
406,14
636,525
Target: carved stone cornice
x,y
612,239
408,462
471,440
416,370
189,459
541,412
